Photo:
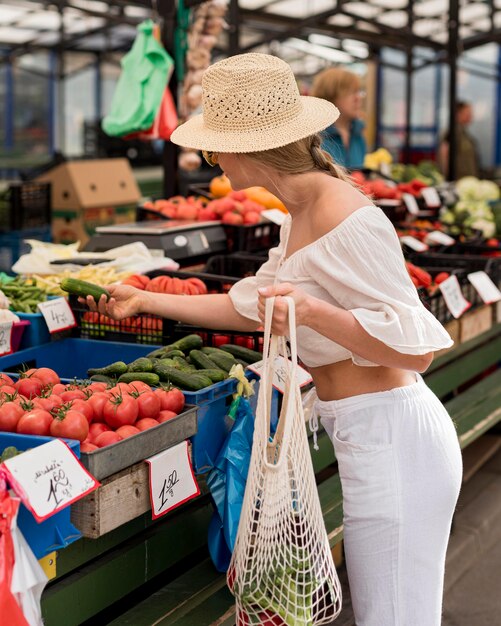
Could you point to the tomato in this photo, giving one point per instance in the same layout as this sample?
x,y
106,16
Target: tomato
x,y
36,422
96,429
145,423
165,416
127,431
96,401
10,414
139,386
120,410
84,407
120,388
7,390
87,447
46,375
72,425
148,404
172,400
58,389
72,394
6,380
50,403
107,438
220,340
94,387
29,387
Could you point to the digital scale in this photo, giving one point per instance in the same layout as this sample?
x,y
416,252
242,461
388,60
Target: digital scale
x,y
181,240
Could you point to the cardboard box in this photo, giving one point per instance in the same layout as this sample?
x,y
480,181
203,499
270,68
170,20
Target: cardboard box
x,y
80,225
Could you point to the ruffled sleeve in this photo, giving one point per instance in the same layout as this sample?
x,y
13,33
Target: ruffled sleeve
x,y
360,263
244,293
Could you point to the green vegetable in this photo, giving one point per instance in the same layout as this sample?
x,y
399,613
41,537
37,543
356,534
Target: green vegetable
x,y
182,364
156,354
115,369
185,344
202,361
244,354
216,375
142,364
184,380
223,361
145,377
9,452
83,289
100,378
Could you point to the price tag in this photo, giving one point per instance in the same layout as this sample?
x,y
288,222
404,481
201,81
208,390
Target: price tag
x,y
431,197
274,215
172,481
410,203
453,296
439,238
48,478
414,243
5,338
385,169
485,287
57,314
280,373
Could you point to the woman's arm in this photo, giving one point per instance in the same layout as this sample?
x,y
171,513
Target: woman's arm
x,y
337,325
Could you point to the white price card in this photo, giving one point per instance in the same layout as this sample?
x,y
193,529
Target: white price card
x,y
385,169
274,215
439,238
410,203
57,314
413,243
5,338
453,296
303,377
486,289
431,197
172,481
48,478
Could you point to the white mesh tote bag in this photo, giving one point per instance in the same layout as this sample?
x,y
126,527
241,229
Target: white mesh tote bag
x,y
281,572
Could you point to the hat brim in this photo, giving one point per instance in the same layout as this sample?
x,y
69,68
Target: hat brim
x,y
316,115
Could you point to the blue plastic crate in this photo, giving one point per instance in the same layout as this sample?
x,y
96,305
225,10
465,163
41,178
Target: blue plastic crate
x,y
36,333
56,532
12,245
72,358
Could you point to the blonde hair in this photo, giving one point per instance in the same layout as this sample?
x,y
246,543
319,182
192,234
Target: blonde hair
x,y
334,83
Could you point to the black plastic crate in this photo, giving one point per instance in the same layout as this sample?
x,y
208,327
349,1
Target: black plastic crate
x,y
252,237
25,205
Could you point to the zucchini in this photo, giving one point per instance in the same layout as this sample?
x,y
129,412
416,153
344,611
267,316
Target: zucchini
x,y
83,289
115,369
216,375
224,361
142,364
99,378
145,377
202,361
244,354
185,344
185,380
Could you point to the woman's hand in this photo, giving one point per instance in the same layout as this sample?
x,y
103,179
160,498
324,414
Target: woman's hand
x,y
280,322
125,302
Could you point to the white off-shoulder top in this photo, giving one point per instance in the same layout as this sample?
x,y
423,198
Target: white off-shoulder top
x,y
357,266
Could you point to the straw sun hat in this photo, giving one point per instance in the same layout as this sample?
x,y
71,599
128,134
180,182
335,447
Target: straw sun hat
x,y
250,103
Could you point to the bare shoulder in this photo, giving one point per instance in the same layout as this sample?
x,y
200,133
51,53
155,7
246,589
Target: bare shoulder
x,y
339,201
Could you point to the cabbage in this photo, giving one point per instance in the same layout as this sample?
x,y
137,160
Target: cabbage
x,y
471,188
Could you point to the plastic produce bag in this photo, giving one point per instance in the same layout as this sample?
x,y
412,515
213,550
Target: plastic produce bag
x,y
146,70
165,121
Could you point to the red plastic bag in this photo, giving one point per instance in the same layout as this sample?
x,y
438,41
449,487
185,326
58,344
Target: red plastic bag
x,y
165,121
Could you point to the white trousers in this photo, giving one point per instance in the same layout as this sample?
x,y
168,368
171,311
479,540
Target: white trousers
x,y
400,467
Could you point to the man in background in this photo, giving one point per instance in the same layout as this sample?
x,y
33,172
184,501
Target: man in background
x,y
467,157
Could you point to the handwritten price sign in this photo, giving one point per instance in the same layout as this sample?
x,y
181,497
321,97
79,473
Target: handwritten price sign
x,y
280,373
453,296
48,478
172,481
5,338
57,314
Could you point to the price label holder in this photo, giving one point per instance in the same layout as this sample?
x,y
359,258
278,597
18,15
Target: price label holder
x,y
57,314
413,243
303,378
274,215
431,197
438,238
486,289
410,203
453,296
5,338
172,481
48,478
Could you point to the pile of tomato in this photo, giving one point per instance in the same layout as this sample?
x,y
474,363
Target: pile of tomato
x,y
93,413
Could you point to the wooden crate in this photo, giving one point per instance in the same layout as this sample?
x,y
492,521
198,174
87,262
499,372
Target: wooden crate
x,y
121,498
475,323
452,328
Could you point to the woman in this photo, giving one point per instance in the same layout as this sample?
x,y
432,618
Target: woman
x,y
344,140
363,333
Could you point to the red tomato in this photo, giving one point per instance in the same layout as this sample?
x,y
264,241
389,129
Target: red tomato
x,y
6,380
120,388
7,390
148,404
29,387
36,422
172,400
97,387
138,386
107,438
220,340
165,416
10,414
96,401
87,447
127,431
73,394
46,375
50,403
96,429
120,410
145,423
73,425
84,407
58,389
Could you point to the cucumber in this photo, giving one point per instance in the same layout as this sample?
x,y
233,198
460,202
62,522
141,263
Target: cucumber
x,y
142,364
183,364
185,380
83,289
99,378
202,361
145,377
244,354
170,354
156,354
185,344
216,375
224,361
159,363
208,350
115,369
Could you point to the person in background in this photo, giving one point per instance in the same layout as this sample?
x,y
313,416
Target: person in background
x,y
467,157
344,140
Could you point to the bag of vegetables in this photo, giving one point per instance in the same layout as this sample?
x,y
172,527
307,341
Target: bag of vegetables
x,y
281,572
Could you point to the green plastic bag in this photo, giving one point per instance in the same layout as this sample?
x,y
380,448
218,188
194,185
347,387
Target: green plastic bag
x,y
146,70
